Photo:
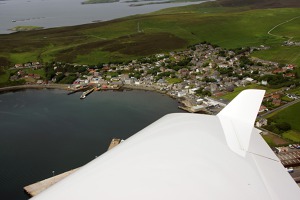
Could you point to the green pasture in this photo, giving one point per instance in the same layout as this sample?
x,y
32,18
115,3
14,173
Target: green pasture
x,y
292,136
231,95
289,115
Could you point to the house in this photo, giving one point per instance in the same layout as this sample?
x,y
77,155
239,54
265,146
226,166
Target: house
x,y
181,94
276,102
277,71
129,81
291,75
264,82
262,109
39,81
276,96
261,122
116,84
18,65
161,82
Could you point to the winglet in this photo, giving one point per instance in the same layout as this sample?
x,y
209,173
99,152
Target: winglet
x,y
238,118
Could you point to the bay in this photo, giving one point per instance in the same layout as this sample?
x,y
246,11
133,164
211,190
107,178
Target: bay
x,y
57,13
47,130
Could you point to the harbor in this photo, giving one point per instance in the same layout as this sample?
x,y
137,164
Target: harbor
x,y
70,131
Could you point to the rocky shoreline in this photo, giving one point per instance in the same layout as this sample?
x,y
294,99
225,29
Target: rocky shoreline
x,y
35,86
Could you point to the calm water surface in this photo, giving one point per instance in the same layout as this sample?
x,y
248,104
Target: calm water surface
x,y
46,130
56,13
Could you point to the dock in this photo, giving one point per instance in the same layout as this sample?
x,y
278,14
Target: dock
x,y
36,188
78,90
114,143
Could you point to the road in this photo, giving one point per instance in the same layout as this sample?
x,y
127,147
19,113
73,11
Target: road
x,y
281,107
269,32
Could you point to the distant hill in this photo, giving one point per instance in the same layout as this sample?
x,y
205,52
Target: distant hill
x,y
260,3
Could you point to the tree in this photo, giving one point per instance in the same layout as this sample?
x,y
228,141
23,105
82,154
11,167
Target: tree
x,y
284,126
59,77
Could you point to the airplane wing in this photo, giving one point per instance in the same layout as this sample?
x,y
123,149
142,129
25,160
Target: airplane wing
x,y
186,156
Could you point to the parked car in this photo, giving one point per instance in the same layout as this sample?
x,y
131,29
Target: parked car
x,y
290,170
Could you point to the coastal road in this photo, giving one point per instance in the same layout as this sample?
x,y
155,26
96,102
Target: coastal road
x,y
281,107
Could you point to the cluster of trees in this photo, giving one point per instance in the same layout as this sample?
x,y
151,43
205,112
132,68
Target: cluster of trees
x,y
240,50
244,60
62,78
136,74
277,127
209,80
12,83
277,80
228,71
202,92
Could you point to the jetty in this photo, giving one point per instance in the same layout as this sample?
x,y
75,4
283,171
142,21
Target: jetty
x,y
86,93
38,187
78,90
114,142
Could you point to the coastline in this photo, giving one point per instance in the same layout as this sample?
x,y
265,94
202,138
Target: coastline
x,y
104,12
66,87
35,86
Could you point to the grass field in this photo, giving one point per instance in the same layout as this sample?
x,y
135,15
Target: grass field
x,y
289,115
231,95
4,77
291,135
274,140
162,31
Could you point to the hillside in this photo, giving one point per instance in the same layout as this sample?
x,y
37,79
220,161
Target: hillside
x,y
227,23
260,3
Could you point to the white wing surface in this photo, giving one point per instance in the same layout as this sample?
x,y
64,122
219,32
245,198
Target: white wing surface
x,y
186,156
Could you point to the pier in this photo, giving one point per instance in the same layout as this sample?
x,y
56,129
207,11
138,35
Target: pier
x,y
38,187
114,143
78,90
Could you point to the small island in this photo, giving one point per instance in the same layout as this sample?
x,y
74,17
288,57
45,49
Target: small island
x,y
26,28
98,1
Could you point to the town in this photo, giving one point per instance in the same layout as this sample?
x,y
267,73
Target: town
x,y
192,76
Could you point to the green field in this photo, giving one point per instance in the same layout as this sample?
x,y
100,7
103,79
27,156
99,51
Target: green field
x,y
289,115
162,31
293,136
274,140
232,95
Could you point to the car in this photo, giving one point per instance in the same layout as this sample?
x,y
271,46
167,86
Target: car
x,y
290,170
291,146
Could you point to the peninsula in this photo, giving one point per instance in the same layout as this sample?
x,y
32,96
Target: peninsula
x,y
26,28
98,1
